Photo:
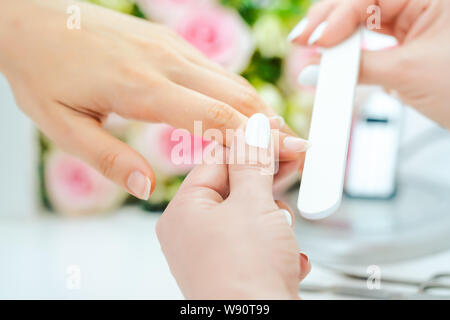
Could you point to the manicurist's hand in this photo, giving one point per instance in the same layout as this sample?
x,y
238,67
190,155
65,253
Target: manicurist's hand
x,y
418,69
69,80
224,236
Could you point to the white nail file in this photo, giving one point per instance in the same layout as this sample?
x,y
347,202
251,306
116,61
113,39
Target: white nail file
x,y
323,174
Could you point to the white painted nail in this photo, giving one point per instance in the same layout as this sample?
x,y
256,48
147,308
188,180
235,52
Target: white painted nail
x,y
288,216
309,76
317,34
298,29
257,132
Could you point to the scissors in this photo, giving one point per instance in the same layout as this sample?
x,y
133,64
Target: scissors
x,y
437,281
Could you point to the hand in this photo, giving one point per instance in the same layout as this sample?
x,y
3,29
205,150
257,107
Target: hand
x,y
68,81
225,237
418,70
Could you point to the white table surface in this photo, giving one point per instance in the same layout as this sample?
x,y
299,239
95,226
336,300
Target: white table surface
x,y
119,258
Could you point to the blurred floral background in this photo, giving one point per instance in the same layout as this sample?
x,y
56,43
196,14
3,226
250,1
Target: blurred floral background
x,y
245,36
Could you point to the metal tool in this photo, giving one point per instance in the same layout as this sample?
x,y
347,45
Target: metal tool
x,y
439,281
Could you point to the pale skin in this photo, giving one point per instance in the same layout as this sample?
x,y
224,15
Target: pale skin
x,y
119,64
225,237
68,81
244,240
418,70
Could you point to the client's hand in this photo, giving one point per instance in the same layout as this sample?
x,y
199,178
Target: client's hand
x,y
225,237
418,69
68,81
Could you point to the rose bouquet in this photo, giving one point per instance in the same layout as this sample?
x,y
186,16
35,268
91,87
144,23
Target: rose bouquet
x,y
245,36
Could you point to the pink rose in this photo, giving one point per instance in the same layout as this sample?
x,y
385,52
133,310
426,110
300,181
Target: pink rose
x,y
167,10
74,188
220,34
169,151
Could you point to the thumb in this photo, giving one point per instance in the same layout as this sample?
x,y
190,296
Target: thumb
x,y
118,162
377,67
381,67
252,160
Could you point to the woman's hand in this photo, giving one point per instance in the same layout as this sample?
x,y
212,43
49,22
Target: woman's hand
x,y
68,81
225,237
418,69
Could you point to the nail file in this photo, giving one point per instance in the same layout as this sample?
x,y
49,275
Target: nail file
x,y
323,174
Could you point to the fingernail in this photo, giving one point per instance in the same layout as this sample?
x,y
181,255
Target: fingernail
x,y
288,216
317,34
298,29
304,256
257,132
277,122
309,76
296,144
139,185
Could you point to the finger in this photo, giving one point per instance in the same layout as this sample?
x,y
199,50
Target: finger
x,y
408,16
422,20
251,161
289,148
245,100
377,67
215,85
201,60
316,15
208,181
194,55
219,85
341,23
191,110
286,171
198,113
381,67
287,212
348,15
287,175
305,266
83,136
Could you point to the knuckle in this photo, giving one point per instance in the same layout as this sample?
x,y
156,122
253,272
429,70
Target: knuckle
x,y
220,114
174,64
168,55
171,33
107,162
242,81
250,101
131,74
